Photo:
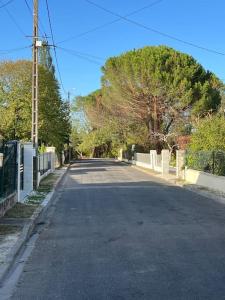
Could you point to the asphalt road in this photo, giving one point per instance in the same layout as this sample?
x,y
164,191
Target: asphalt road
x,y
118,233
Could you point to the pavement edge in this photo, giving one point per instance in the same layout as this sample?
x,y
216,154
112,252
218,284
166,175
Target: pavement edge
x,y
28,228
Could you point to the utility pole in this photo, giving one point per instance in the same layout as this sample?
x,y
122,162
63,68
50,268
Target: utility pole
x,y
34,131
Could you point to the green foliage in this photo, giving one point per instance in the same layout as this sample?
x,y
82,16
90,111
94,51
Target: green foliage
x,y
158,85
42,148
207,146
209,134
207,161
148,97
15,105
45,58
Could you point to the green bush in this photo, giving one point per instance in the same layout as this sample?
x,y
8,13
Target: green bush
x,y
209,135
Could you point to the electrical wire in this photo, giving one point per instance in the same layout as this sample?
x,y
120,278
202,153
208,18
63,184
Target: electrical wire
x,y
41,27
15,22
81,56
7,51
154,30
81,53
54,48
110,23
7,3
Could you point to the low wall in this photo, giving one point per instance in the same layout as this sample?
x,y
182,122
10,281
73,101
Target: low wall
x,y
143,165
205,179
40,177
7,203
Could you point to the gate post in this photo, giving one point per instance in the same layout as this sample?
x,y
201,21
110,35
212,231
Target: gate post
x,y
165,162
18,160
28,170
51,150
180,164
153,155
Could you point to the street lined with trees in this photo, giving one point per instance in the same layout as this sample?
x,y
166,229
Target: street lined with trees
x,y
148,97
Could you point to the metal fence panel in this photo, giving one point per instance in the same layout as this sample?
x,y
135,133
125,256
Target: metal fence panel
x,y
44,162
9,169
208,161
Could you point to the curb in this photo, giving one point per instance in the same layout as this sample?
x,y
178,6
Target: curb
x,y
28,228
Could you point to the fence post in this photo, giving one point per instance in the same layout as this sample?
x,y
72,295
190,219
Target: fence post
x,y
165,162
1,173
120,157
153,155
213,162
28,170
18,171
53,157
180,164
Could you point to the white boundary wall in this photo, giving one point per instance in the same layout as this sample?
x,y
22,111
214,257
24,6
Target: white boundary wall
x,y
152,161
205,179
29,152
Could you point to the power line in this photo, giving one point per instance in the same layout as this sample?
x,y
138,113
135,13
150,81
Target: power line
x,y
53,41
154,30
7,3
15,22
81,53
7,51
41,27
111,22
81,56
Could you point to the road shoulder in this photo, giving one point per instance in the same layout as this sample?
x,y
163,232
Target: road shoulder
x,y
13,241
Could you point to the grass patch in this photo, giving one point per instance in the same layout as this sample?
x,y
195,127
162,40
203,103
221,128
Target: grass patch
x,y
49,181
45,187
35,199
8,229
20,210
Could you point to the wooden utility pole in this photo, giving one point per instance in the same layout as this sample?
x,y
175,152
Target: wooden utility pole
x,y
34,131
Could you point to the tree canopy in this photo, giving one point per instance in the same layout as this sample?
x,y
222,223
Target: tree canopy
x,y
209,134
159,86
148,97
15,105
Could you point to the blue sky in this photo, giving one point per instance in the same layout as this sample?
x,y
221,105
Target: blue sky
x,y
197,21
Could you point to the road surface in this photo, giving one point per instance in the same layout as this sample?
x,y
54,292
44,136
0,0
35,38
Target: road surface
x,y
119,233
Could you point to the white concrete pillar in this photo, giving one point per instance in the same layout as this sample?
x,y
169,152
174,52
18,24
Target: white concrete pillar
x,y
1,159
120,157
18,170
63,158
53,157
153,158
29,153
165,162
180,164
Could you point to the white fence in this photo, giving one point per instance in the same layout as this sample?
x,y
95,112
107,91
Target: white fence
x,y
152,160
46,164
161,163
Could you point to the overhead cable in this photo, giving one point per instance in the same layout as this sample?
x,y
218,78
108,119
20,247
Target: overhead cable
x,y
7,3
110,23
154,30
54,48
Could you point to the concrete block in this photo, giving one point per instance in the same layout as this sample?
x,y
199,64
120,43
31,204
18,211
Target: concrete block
x,y
180,164
165,162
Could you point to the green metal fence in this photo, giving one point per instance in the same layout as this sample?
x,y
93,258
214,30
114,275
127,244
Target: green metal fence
x,y
8,168
208,161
